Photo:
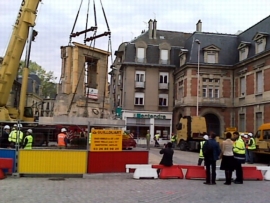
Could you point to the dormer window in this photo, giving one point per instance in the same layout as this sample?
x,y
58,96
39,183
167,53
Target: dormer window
x,y
183,56
164,54
140,51
140,55
211,54
243,50
260,41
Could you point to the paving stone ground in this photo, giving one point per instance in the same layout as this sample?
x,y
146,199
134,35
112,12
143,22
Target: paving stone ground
x,y
121,188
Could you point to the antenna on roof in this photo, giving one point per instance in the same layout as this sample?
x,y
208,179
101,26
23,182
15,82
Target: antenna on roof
x,y
145,24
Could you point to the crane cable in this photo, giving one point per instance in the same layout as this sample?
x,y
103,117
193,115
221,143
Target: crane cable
x,y
86,24
74,24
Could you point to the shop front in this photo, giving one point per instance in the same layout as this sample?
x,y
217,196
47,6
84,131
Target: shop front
x,y
156,122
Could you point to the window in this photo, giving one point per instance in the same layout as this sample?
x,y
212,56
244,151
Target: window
x,y
258,119
139,77
259,82
204,91
211,58
163,100
243,54
242,123
260,46
180,92
139,98
210,93
164,56
242,87
216,93
140,54
163,77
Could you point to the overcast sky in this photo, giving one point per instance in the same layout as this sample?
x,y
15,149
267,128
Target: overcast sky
x,y
126,20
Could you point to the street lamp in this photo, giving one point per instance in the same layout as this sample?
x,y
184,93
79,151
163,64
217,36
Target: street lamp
x,y
198,76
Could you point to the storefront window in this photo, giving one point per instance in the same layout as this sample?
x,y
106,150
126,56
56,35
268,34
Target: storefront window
x,y
163,132
138,131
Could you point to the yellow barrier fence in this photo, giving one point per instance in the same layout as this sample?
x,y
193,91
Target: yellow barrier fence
x,y
52,162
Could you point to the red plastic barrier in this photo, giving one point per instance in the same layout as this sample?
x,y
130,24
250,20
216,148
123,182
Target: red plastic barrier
x,y
194,172
5,163
251,173
171,172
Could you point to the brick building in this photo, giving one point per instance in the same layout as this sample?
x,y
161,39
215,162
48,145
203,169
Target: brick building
x,y
234,89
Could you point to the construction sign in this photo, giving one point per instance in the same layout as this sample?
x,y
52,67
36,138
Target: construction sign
x,y
106,140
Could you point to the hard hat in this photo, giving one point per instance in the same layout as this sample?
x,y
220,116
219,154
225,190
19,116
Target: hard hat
x,y
15,125
250,134
30,131
245,136
205,137
242,134
6,127
63,130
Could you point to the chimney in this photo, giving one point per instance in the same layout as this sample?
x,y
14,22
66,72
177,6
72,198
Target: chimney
x,y
199,26
150,28
155,29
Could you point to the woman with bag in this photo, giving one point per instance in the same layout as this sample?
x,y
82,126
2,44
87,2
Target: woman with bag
x,y
227,162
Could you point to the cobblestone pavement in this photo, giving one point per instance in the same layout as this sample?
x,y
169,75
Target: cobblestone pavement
x,y
121,188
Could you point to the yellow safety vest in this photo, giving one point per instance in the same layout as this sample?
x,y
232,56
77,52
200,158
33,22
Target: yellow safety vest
x,y
157,136
13,136
201,151
29,143
239,146
253,146
90,135
173,138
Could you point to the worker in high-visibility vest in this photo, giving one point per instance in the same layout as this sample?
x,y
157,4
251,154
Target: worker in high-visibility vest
x,y
173,140
28,140
251,146
15,136
239,151
156,138
62,139
201,157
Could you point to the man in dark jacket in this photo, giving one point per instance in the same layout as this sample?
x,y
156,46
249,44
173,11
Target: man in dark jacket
x,y
4,139
211,152
167,159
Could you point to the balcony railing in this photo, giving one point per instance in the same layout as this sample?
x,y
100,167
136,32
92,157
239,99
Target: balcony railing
x,y
139,84
163,86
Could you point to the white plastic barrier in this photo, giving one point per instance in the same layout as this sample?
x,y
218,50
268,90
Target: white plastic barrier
x,y
267,171
221,174
145,173
137,166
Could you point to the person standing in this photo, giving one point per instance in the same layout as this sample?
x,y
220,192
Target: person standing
x,y
173,140
167,158
62,139
15,136
211,153
239,157
28,140
227,162
201,157
4,138
251,146
148,137
156,138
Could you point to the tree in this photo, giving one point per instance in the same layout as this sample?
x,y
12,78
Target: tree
x,y
48,84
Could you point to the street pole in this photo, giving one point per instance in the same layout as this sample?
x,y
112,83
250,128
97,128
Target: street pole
x,y
198,77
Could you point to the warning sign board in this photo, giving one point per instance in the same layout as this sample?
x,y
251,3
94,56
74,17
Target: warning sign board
x,y
106,140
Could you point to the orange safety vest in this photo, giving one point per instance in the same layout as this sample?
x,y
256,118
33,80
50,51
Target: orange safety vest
x,y
61,139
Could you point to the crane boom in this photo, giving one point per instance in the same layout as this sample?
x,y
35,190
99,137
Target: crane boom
x,y
10,65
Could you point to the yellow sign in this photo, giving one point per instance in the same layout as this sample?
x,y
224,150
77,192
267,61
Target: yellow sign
x,y
106,140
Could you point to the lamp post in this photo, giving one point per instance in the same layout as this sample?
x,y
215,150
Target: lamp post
x,y
198,76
